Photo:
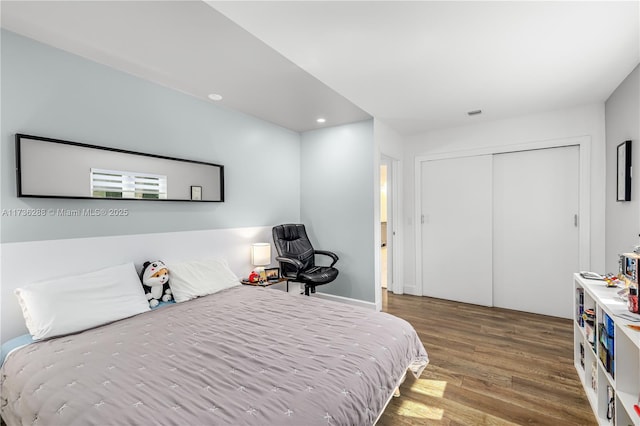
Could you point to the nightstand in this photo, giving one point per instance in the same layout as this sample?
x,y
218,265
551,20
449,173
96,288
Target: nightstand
x,y
267,283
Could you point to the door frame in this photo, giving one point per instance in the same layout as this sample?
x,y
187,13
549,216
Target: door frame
x,y
584,211
394,242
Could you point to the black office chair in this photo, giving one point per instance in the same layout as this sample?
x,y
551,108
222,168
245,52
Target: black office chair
x,y
297,258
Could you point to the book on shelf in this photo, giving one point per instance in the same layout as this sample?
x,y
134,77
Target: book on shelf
x,y
580,306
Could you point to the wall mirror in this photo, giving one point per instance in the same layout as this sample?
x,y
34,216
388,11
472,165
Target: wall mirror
x,y
54,168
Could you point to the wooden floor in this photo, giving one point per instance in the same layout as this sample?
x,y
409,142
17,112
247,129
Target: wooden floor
x,y
488,366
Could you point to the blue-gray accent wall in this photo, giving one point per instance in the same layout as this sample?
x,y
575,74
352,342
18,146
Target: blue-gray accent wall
x,y
323,178
52,93
337,203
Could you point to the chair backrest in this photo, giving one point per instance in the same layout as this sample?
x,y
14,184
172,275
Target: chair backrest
x,y
291,241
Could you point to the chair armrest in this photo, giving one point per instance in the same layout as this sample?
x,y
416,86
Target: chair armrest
x,y
331,254
295,262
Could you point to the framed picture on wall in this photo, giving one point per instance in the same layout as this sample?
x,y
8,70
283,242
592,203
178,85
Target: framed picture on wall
x,y
624,171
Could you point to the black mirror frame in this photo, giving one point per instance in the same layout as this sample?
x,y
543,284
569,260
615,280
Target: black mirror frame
x,y
20,136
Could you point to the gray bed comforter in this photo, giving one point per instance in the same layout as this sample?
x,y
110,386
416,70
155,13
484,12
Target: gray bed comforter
x,y
243,356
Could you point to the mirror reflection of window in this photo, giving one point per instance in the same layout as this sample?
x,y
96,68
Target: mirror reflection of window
x,y
121,184
101,173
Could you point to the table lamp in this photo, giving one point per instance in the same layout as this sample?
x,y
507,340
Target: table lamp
x,y
261,257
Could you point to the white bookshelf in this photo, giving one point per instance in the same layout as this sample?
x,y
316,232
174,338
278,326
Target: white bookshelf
x,y
624,379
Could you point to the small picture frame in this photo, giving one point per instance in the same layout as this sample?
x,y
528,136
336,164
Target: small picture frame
x,y
196,193
273,274
624,171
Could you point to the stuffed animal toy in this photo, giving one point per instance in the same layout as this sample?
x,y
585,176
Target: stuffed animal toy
x,y
155,279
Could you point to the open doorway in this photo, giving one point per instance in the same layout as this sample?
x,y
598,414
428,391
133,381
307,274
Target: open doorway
x,y
386,224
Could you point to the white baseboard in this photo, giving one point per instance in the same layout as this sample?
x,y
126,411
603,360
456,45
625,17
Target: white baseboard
x,y
412,290
347,300
378,306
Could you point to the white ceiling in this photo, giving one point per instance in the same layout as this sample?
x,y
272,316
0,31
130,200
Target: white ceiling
x,y
419,65
416,65
188,46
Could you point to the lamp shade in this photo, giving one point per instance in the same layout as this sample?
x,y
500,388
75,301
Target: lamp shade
x,y
260,254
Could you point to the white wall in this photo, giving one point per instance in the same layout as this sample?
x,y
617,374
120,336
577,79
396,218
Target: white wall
x,y
622,112
337,202
587,120
32,261
389,141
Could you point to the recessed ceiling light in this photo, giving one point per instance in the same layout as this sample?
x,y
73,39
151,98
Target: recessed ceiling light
x,y
475,112
321,120
215,97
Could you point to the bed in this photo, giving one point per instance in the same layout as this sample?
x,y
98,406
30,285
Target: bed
x,y
241,356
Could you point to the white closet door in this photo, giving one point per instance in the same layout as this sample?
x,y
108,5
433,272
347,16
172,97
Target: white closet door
x,y
456,229
536,238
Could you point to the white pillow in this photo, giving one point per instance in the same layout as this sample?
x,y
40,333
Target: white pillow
x,y
196,278
68,305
